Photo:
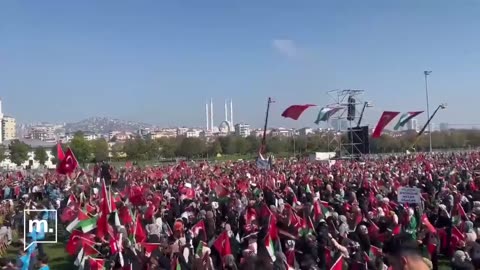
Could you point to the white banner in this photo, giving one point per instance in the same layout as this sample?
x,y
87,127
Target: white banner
x,y
409,195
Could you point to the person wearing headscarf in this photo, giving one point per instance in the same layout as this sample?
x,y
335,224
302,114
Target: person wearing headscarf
x,y
210,225
411,227
471,236
230,263
461,261
343,228
280,262
363,238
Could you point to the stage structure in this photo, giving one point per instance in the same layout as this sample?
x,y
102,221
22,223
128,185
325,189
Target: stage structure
x,y
347,137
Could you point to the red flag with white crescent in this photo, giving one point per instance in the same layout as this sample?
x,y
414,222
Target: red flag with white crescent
x,y
68,164
386,118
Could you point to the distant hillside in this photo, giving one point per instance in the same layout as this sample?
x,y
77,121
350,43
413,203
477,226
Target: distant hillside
x,y
104,125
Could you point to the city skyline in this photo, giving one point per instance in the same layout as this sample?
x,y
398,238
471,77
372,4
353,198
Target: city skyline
x,y
159,62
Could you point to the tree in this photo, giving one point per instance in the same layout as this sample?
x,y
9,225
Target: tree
x,y
117,150
100,149
2,153
167,147
228,145
215,148
152,149
253,143
41,155
81,148
241,145
135,149
277,145
191,147
18,152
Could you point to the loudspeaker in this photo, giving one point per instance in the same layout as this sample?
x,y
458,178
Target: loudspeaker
x,y
358,136
351,109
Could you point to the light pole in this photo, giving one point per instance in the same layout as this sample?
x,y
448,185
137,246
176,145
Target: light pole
x,y
426,73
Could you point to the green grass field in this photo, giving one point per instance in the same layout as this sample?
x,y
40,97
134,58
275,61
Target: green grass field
x,y
59,259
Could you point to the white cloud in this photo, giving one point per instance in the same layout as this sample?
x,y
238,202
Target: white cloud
x,y
286,47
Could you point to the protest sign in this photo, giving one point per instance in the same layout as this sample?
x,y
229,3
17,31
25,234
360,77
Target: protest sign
x,y
409,195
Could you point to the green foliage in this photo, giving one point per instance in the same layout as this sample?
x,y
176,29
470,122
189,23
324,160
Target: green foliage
x,y
215,148
41,155
242,146
116,151
167,147
100,149
140,149
2,153
277,145
228,145
81,148
191,147
253,143
18,152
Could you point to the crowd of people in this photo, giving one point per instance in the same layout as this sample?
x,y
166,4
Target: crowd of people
x,y
295,214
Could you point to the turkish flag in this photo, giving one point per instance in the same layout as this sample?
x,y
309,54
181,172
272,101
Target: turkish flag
x,y
338,265
68,164
386,118
295,111
222,244
96,264
60,154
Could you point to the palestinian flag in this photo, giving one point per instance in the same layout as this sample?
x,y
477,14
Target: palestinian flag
x,y
375,252
74,224
271,238
326,113
199,249
325,211
307,227
270,247
405,118
88,225
80,260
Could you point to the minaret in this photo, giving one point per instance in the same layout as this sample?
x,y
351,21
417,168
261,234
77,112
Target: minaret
x,y
226,111
211,115
231,112
206,115
1,122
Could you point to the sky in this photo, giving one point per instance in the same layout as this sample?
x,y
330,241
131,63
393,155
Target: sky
x,y
160,61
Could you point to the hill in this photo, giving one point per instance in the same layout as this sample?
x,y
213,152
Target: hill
x,y
104,125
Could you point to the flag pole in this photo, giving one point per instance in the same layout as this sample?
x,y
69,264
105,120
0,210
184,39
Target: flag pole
x,y
441,106
264,138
